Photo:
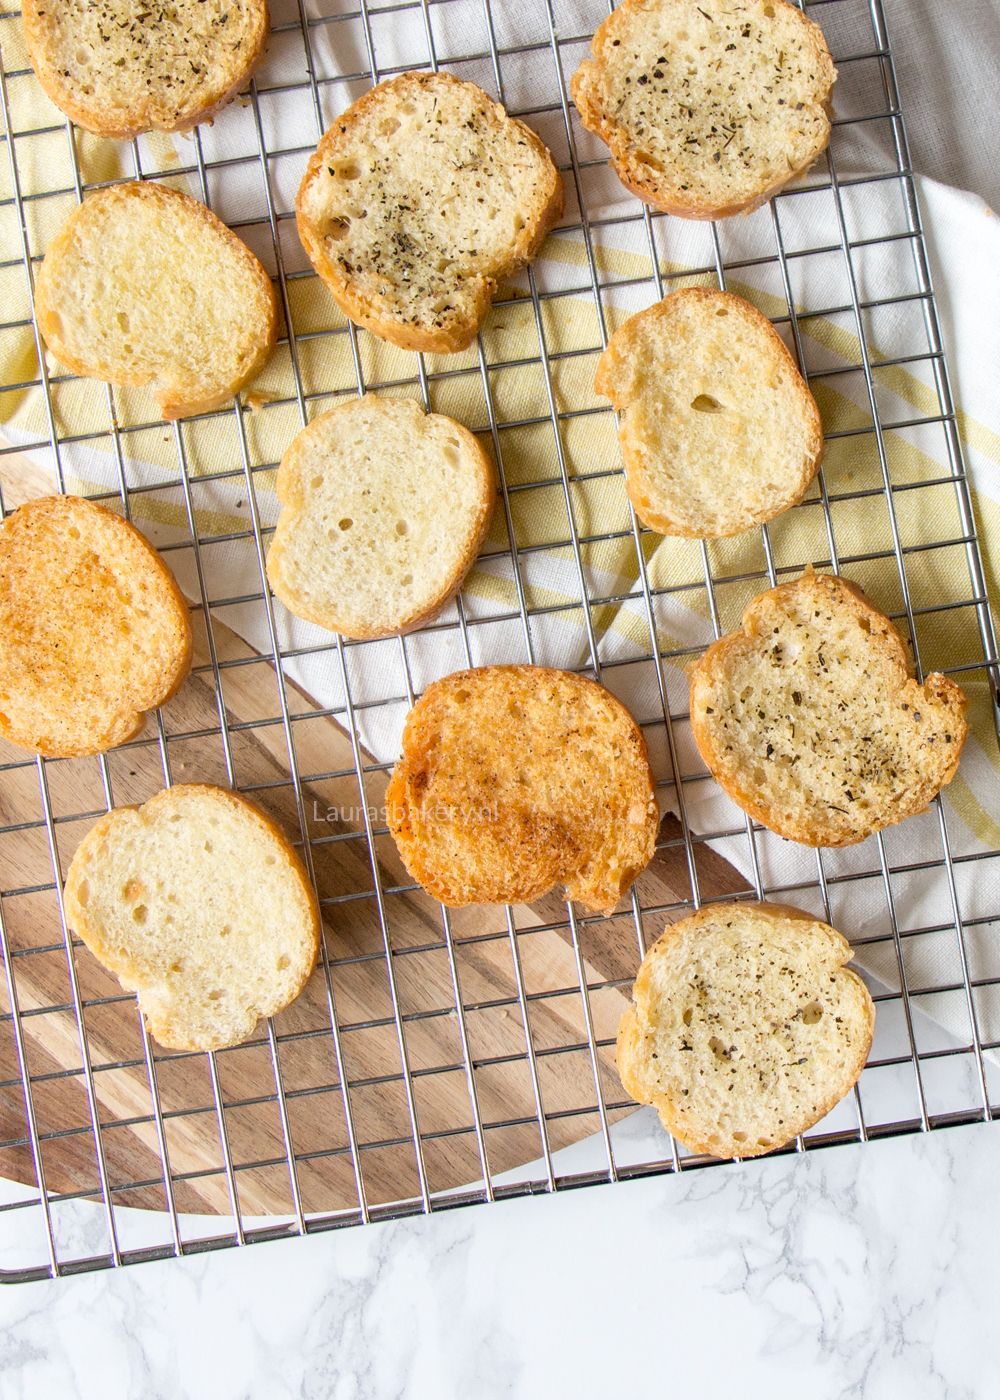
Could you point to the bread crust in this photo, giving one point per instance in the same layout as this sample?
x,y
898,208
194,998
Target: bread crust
x,y
125,121
370,312
470,746
170,204
25,546
709,675
612,368
655,187
291,497
634,1067
171,1034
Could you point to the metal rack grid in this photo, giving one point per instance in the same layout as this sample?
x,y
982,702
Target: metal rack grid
x,y
858,36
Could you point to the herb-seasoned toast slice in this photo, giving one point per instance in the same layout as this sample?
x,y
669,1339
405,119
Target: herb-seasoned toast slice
x,y
417,201
93,629
809,716
118,69
746,1027
719,431
197,902
708,109
144,285
514,779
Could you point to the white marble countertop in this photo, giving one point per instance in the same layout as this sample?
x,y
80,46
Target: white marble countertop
x,y
856,1271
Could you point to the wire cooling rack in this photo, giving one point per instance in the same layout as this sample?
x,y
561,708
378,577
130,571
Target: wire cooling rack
x,y
446,1058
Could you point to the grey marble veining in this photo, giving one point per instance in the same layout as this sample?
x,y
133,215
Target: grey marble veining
x,y
868,1272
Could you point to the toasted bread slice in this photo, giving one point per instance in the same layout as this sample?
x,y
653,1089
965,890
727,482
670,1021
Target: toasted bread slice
x,y
144,285
119,70
811,720
719,431
197,902
514,779
419,198
746,1028
93,629
383,510
707,109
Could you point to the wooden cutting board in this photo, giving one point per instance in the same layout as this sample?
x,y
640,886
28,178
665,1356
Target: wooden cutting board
x,y
495,991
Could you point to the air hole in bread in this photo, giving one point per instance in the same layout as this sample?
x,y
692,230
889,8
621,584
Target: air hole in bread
x,y
769,11
282,963
865,625
123,322
402,528
207,847
345,523
215,996
722,311
739,1137
140,913
316,483
811,1013
406,580
176,967
338,228
704,403
388,127
718,1048
687,1016
650,160
225,930
83,894
350,170
73,532
131,891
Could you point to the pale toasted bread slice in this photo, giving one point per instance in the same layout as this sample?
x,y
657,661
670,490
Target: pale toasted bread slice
x,y
144,285
811,720
383,510
719,431
707,109
746,1028
93,629
197,902
119,69
514,779
419,198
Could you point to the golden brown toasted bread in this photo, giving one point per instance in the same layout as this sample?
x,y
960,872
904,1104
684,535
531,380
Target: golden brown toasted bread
x,y
514,779
93,629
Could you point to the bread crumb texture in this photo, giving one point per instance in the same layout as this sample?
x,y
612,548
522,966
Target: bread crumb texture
x,y
93,629
197,902
515,779
809,716
707,109
120,69
383,510
746,1028
144,285
719,431
419,198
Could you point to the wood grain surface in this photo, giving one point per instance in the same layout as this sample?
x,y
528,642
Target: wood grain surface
x,y
364,977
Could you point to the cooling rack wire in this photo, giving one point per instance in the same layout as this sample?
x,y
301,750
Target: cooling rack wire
x,y
447,1057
